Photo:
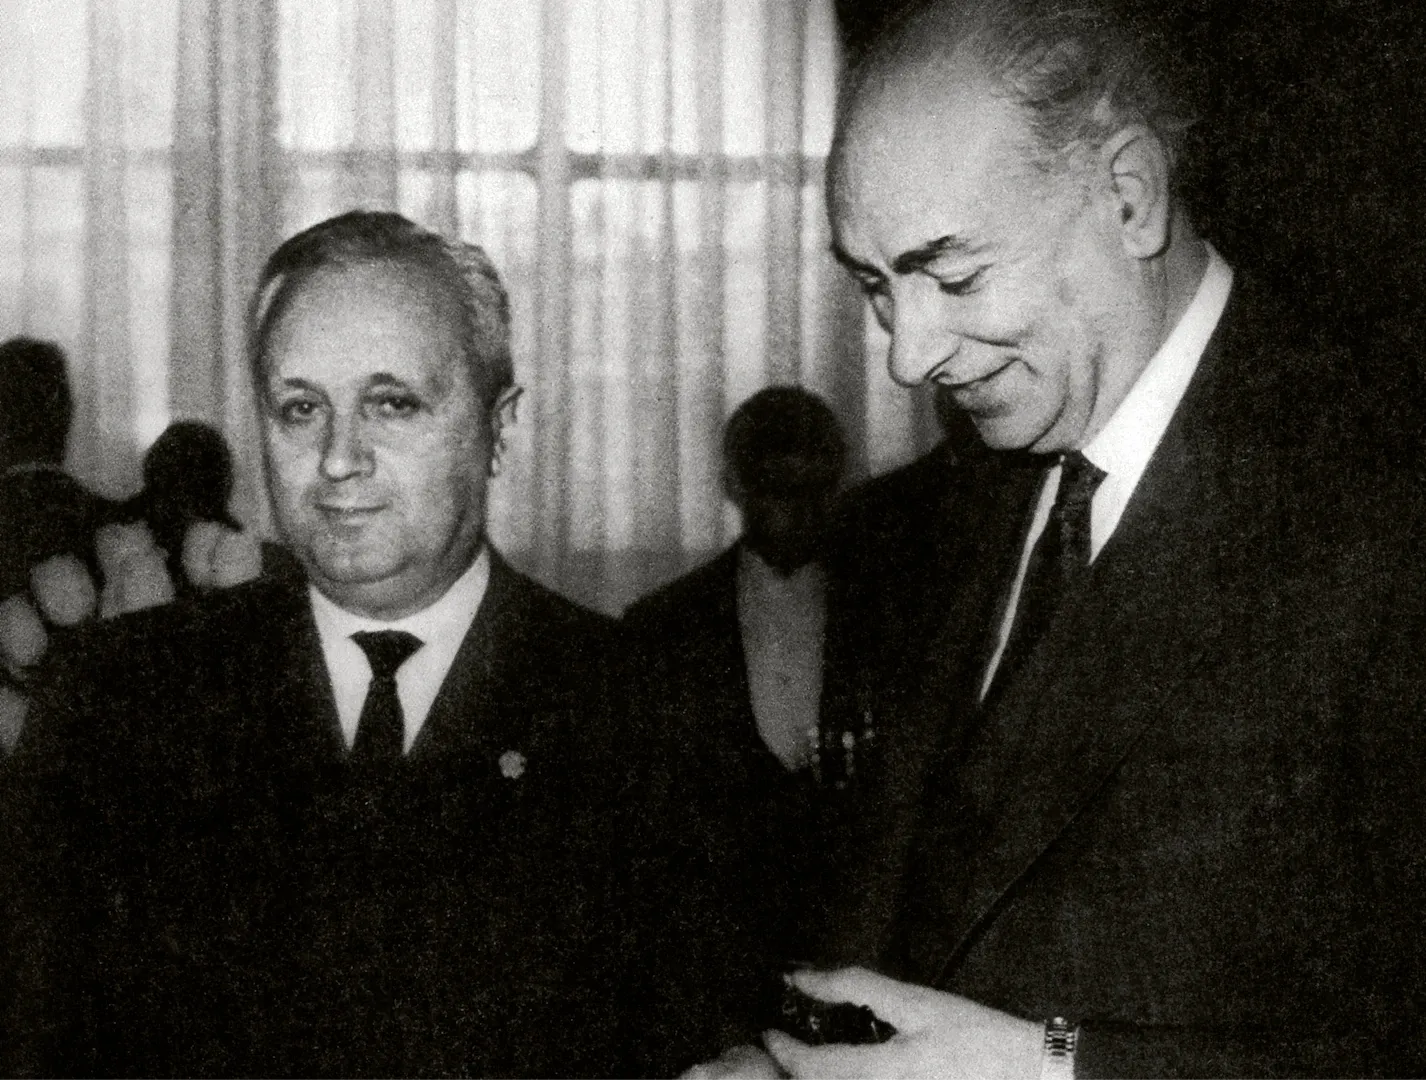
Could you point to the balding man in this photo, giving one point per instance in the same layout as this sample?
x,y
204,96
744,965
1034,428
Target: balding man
x,y
1175,829
331,826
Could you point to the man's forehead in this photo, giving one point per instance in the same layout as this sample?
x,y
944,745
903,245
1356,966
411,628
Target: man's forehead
x,y
921,164
367,317
402,294
399,280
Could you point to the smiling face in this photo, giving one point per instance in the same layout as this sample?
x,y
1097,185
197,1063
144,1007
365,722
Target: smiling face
x,y
1001,281
376,443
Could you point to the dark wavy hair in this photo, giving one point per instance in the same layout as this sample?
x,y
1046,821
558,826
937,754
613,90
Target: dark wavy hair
x,y
1080,69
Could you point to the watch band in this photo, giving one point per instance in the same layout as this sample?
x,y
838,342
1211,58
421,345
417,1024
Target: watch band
x,y
1057,1060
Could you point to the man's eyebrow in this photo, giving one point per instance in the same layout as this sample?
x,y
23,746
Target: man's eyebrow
x,y
919,258
296,382
385,379
856,266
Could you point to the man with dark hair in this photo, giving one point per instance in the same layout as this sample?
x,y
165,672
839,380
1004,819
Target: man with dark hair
x,y
43,511
46,517
67,553
35,402
1175,828
334,826
726,672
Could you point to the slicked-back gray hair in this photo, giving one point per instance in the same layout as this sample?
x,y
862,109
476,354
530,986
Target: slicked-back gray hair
x,y
367,236
1080,69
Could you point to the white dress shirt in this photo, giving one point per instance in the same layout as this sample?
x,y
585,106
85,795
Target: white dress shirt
x,y
1125,444
782,619
441,628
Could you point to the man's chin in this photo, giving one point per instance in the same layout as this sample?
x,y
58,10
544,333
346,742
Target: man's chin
x,y
384,598
1016,430
346,568
364,587
1005,431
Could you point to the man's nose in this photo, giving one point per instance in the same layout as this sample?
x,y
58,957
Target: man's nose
x,y
921,338
346,452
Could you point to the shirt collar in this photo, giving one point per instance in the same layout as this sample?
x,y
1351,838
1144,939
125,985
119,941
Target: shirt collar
x,y
449,617
1124,445
754,570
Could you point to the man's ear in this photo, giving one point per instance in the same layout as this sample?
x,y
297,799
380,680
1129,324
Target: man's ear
x,y
1138,165
504,413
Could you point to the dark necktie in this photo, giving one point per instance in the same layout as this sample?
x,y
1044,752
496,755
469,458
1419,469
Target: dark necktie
x,y
381,730
1057,565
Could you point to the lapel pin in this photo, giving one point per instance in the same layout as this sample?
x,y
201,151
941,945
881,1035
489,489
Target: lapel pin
x,y
512,764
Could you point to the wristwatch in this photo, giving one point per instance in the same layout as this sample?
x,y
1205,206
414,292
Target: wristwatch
x,y
1057,1060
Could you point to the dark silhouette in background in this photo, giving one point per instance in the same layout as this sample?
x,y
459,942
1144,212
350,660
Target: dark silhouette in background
x,y
725,679
43,511
188,478
784,456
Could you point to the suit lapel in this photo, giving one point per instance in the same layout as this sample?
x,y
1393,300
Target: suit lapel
x,y
723,635
461,715
980,539
953,598
288,685
1151,611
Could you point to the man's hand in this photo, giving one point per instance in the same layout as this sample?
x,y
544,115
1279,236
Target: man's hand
x,y
216,557
134,570
736,1063
62,594
938,1034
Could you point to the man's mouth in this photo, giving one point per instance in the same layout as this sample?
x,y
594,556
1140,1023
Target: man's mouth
x,y
348,513
977,393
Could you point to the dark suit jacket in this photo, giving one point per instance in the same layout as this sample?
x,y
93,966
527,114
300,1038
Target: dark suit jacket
x,y
217,894
1191,819
912,553
724,845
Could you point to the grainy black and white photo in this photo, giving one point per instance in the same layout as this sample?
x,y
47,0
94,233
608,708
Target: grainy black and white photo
x,y
712,538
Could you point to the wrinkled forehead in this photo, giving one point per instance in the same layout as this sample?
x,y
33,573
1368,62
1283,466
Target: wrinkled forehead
x,y
924,141
402,295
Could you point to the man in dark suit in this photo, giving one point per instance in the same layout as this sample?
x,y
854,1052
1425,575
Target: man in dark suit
x,y
68,554
904,553
1175,828
43,511
725,676
334,826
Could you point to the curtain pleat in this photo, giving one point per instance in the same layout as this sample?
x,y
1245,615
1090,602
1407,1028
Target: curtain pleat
x,y
660,480
442,211
104,407
550,410
783,63
704,298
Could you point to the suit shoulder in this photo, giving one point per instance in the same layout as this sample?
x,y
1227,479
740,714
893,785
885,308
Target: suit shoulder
x,y
695,591
544,612
192,620
160,642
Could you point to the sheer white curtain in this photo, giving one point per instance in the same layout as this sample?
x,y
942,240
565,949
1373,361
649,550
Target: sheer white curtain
x,y
646,173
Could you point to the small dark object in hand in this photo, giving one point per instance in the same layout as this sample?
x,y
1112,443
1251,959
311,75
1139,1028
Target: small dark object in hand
x,y
818,1022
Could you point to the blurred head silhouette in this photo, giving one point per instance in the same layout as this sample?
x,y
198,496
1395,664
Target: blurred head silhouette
x,y
188,471
783,458
35,403
188,477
